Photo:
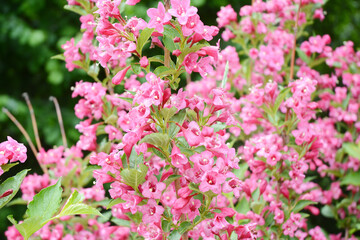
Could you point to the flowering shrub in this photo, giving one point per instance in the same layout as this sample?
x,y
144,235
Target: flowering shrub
x,y
247,152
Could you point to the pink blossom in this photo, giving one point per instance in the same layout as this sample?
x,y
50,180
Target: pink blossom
x,y
152,188
158,17
182,10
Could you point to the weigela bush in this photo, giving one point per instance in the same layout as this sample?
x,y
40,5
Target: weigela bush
x,y
266,141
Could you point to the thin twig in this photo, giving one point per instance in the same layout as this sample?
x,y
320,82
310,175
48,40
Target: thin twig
x,y
166,51
294,46
33,120
61,123
22,130
27,137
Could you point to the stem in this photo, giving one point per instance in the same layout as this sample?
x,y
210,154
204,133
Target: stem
x,y
26,135
166,51
58,113
294,46
33,120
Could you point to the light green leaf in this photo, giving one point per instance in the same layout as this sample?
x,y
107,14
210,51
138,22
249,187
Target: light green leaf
x,y
73,206
225,77
242,206
169,43
6,167
134,177
76,9
168,113
78,208
121,222
11,183
351,178
29,226
46,203
352,149
327,211
143,37
114,202
174,235
280,98
303,56
301,204
160,140
58,57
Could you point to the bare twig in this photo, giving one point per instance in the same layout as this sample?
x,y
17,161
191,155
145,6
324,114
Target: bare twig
x,y
33,120
294,46
61,123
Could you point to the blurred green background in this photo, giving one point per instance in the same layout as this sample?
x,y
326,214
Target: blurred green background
x,y
31,31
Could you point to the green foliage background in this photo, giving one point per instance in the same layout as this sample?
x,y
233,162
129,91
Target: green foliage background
x,y
31,31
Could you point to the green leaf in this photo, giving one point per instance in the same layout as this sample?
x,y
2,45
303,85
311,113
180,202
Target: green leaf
x,y
121,222
160,140
136,68
170,31
168,113
257,206
303,56
225,77
184,227
29,226
351,178
169,43
242,206
11,183
73,206
218,126
301,204
76,9
46,203
194,48
327,211
142,39
165,225
171,179
280,98
174,235
134,177
157,58
352,149
114,202
344,203
58,57
135,159
163,71
6,167
178,118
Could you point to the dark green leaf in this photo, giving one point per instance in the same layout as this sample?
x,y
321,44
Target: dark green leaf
x,y
165,225
178,118
184,227
11,183
169,43
136,68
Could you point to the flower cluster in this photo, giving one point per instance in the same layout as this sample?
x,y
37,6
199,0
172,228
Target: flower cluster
x,y
261,142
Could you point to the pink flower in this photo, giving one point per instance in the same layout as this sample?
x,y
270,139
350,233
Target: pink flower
x,y
12,151
225,16
120,76
182,10
158,17
132,2
151,212
152,188
193,134
211,181
177,158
